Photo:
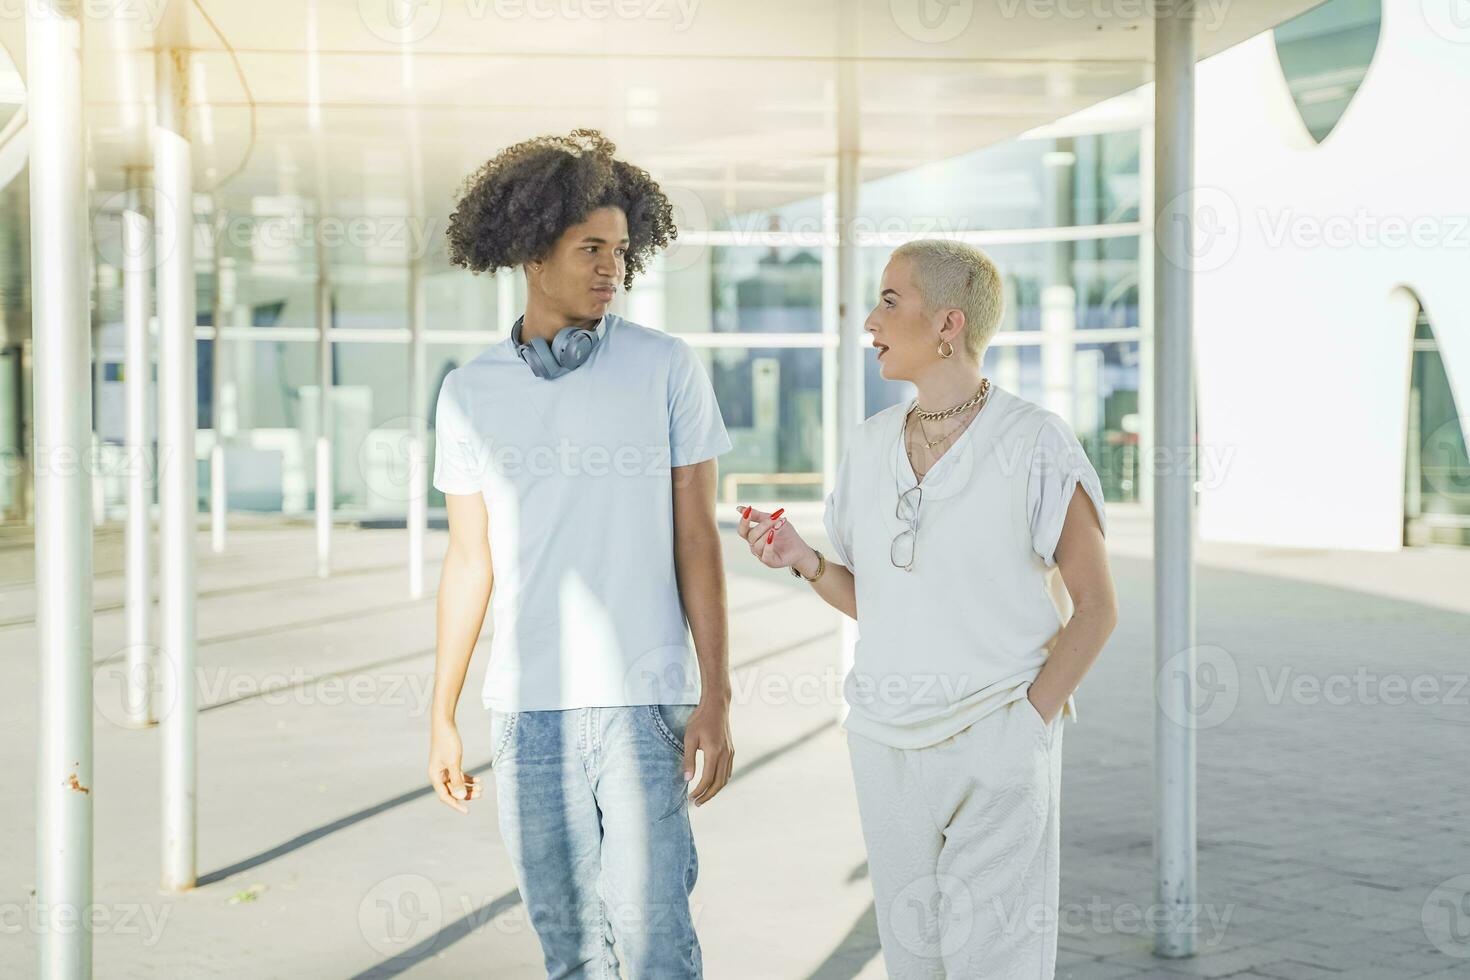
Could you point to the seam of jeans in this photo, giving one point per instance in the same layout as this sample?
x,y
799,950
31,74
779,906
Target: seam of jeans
x,y
584,747
510,727
696,962
595,722
602,928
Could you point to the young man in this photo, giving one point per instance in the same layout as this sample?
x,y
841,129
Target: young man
x,y
577,459
967,531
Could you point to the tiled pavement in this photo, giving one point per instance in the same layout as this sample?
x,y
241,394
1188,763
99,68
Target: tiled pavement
x,y
1332,804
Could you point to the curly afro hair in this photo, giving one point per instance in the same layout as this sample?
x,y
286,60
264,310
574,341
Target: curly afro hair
x,y
515,207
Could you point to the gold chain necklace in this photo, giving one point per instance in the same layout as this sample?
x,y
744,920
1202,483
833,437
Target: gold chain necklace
x,y
976,399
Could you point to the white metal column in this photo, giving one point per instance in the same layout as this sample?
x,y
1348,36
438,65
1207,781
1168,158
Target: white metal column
x,y
418,487
1144,488
418,448
61,338
218,491
851,361
1174,628
178,489
324,410
99,486
137,233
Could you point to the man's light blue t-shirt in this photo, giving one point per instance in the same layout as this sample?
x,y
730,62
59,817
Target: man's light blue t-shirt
x,y
575,474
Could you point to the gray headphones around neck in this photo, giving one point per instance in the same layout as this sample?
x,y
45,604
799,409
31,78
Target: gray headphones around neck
x,y
567,351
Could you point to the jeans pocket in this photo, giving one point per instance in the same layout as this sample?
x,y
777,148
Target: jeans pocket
x,y
502,728
670,721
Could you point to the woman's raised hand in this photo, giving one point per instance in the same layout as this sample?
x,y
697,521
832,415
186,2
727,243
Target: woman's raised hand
x,y
772,538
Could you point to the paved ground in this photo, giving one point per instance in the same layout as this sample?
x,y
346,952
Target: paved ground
x,y
1332,801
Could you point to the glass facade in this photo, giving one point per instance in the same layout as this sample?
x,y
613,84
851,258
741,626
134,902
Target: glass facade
x,y
771,399
1102,403
1437,474
1071,285
12,469
1324,55
1019,184
754,294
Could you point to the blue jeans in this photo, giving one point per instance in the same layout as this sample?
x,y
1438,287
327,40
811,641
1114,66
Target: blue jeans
x,y
594,812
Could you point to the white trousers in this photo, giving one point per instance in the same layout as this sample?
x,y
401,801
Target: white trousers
x,y
963,843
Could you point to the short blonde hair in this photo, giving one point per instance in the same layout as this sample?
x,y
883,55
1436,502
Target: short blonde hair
x,y
953,275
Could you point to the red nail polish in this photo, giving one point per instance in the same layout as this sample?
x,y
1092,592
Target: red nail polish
x,y
770,536
778,513
747,513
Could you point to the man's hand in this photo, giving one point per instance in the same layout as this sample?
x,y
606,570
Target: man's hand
x,y
445,774
708,732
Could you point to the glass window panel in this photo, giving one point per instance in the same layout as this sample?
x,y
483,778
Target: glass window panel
x,y
1084,285
275,296
1105,414
878,392
458,300
771,401
1437,490
1324,54
1020,183
373,422
369,297
726,289
270,456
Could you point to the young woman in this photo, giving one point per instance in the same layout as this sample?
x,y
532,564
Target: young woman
x,y
950,520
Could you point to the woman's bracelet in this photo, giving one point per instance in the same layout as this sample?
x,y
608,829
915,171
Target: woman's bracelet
x,y
821,567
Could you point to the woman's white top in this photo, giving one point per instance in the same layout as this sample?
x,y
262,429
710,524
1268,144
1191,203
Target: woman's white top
x,y
968,628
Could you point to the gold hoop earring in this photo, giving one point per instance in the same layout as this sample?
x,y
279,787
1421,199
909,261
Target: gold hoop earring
x,y
943,345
